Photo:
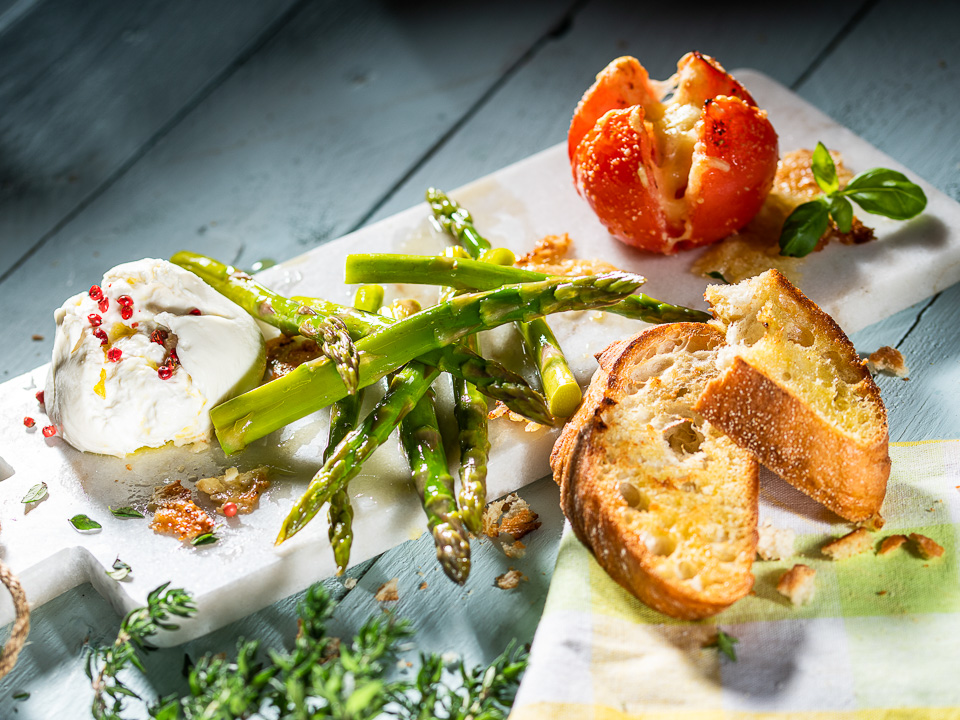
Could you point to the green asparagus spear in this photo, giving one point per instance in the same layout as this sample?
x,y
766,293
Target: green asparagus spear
x,y
344,415
421,440
293,316
473,275
336,345
343,418
470,410
559,385
315,384
406,388
423,444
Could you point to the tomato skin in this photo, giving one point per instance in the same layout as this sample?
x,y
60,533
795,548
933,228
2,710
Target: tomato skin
x,y
617,154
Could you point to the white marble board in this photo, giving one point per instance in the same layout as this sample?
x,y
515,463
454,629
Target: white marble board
x,y
513,207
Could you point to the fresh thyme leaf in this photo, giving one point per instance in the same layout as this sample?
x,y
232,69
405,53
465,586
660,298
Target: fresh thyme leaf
x,y
886,192
20,695
824,169
83,523
126,512
842,213
803,228
35,494
724,643
120,569
205,539
716,275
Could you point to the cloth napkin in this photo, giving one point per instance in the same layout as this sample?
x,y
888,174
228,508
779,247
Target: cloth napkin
x,y
881,638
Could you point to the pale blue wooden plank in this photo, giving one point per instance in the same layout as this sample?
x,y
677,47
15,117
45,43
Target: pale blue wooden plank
x,y
85,85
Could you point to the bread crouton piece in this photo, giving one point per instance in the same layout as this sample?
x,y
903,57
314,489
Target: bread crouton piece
x,y
853,543
510,580
775,543
798,584
927,548
888,361
891,543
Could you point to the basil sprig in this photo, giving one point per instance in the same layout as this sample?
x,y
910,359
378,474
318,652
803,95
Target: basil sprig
x,y
878,191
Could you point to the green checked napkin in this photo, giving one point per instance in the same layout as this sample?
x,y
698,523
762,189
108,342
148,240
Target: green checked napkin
x,y
880,639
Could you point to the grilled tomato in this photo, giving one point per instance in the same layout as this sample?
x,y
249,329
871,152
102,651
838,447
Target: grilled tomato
x,y
675,164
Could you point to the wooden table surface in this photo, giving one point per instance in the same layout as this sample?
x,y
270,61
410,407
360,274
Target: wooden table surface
x,y
258,130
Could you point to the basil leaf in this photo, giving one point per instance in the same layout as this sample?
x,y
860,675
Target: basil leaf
x,y
886,192
126,512
803,228
82,522
718,276
205,539
35,494
824,170
842,213
120,569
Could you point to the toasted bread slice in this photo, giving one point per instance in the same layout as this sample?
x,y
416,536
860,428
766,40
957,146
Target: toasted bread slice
x,y
667,504
793,390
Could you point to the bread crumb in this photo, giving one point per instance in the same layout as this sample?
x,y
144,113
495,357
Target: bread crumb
x,y
775,543
798,584
888,361
350,583
510,579
926,547
851,544
175,513
36,337
388,591
872,523
423,585
501,410
511,515
891,543
514,550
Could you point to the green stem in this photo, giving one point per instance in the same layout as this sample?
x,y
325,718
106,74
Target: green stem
x,y
302,315
315,384
406,388
473,275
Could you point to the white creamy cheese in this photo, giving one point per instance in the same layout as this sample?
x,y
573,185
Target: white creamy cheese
x,y
122,380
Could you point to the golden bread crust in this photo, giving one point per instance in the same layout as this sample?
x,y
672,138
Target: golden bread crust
x,y
589,462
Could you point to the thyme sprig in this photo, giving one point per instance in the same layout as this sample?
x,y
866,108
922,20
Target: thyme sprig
x,y
136,629
319,677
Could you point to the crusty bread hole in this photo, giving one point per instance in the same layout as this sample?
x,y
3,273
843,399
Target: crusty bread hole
x,y
785,339
675,473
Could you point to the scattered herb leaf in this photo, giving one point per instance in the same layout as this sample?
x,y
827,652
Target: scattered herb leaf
x,y
120,569
724,643
21,695
82,522
205,539
126,512
879,191
718,276
35,494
